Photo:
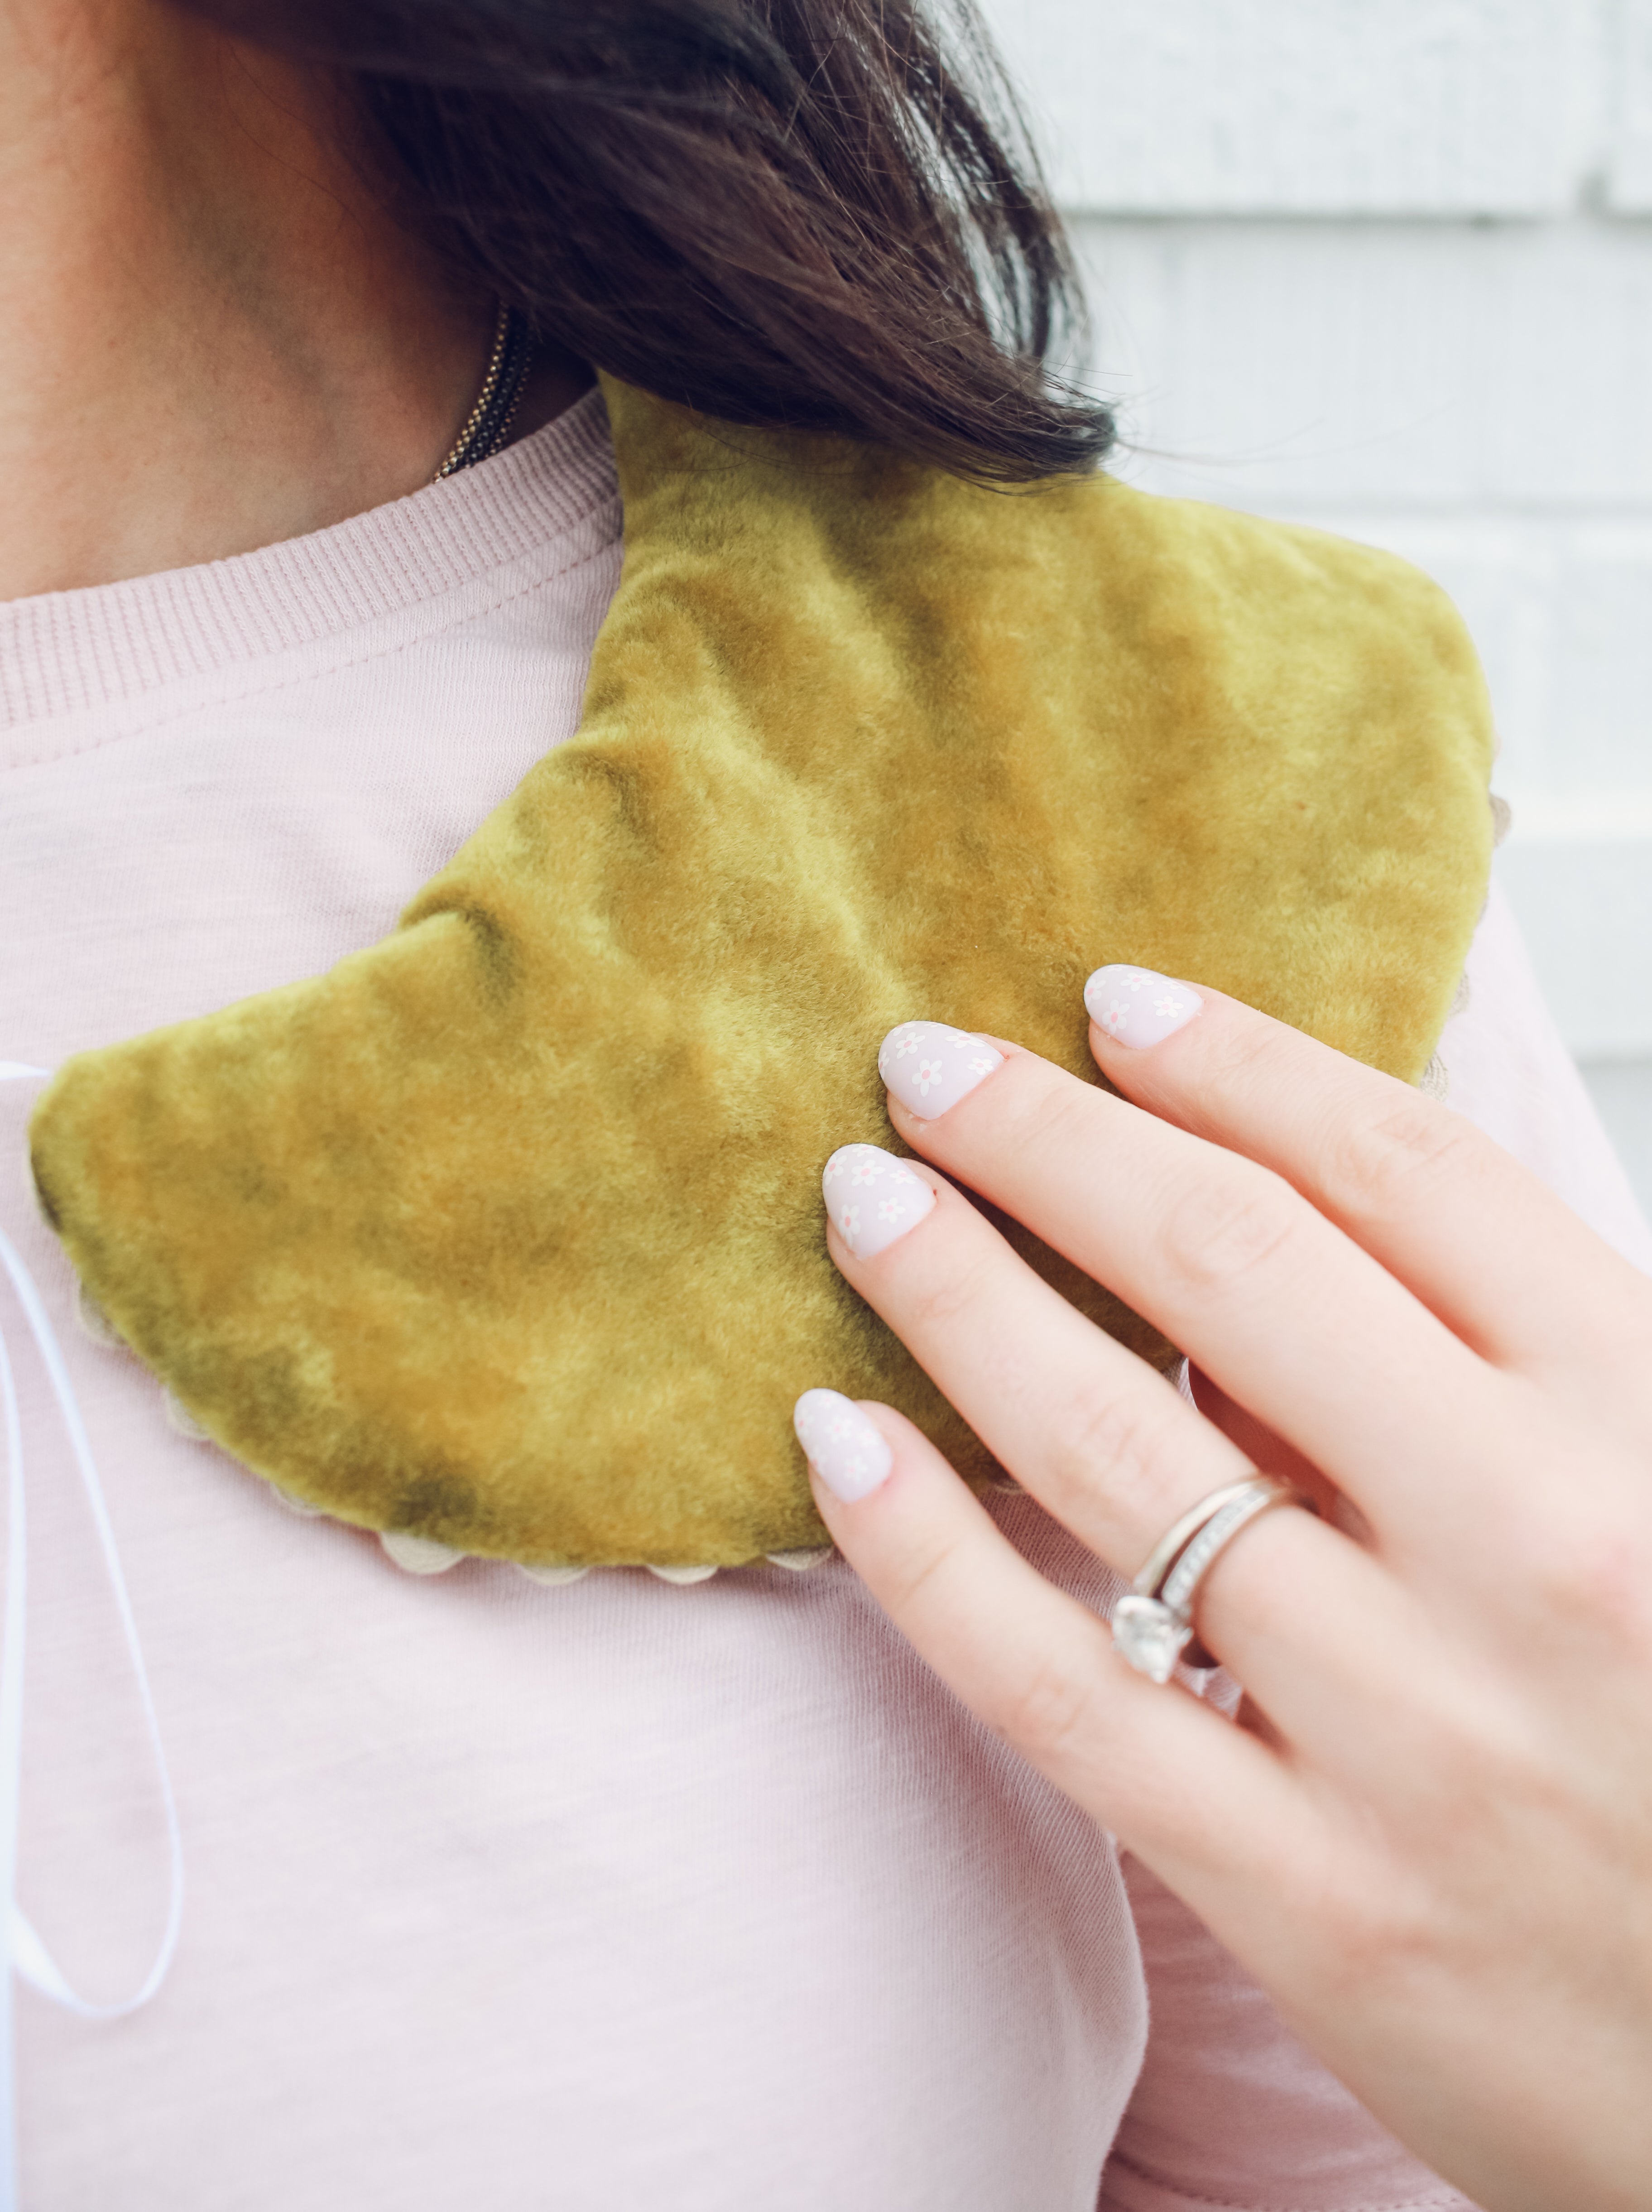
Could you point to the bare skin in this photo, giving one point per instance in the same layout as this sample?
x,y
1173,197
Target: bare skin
x,y
212,334
1430,1840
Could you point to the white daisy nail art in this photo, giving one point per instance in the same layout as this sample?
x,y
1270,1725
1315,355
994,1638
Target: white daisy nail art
x,y
895,1201
929,1066
1114,997
844,1448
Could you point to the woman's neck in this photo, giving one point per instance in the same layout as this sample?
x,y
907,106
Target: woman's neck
x,y
212,335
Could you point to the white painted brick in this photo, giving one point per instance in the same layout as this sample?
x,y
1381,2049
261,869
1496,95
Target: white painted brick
x,y
1294,362
1567,365
1602,698
1431,107
1628,179
1441,365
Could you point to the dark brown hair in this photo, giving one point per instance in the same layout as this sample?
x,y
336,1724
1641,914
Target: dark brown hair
x,y
815,212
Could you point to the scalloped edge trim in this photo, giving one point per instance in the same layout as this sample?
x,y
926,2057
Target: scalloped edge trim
x,y
422,1555
92,1321
418,1555
179,1416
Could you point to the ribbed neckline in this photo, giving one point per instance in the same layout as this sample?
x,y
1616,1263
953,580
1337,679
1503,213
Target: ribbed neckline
x,y
67,652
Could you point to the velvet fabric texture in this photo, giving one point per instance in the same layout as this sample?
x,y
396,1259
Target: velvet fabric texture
x,y
507,1233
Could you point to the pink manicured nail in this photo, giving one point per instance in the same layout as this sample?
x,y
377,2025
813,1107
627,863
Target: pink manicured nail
x,y
929,1066
845,1450
1136,1007
872,1198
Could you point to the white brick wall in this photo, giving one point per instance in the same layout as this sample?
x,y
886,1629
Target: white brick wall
x,y
1389,269
1315,107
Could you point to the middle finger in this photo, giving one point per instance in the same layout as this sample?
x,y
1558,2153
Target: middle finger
x,y
1286,1314
1108,1445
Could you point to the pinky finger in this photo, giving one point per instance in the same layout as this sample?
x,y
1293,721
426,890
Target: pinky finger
x,y
1202,1801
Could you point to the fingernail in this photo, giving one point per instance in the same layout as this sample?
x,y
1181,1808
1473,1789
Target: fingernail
x,y
845,1450
1136,1007
872,1198
929,1066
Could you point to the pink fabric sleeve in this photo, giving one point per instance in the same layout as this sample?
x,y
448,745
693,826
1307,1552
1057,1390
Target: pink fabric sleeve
x,y
1231,2114
1512,1076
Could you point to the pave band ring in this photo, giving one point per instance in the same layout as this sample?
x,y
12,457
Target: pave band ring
x,y
1153,1624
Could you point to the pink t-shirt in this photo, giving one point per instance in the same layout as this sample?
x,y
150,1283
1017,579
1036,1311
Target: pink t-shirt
x,y
604,1897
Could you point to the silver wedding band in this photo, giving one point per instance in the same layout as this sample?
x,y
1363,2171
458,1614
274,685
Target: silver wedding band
x,y
1153,1625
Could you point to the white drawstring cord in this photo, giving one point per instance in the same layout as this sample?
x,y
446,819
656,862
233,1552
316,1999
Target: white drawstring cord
x,y
28,1955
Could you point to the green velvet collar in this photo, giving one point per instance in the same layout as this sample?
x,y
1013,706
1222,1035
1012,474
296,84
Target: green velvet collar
x,y
507,1233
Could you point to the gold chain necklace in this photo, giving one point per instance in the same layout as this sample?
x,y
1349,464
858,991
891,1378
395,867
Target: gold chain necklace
x,y
488,424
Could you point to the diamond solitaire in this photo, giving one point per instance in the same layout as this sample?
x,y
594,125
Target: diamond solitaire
x,y
1149,1635
1153,1625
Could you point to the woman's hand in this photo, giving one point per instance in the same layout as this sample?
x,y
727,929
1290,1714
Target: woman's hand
x,y
1431,1836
